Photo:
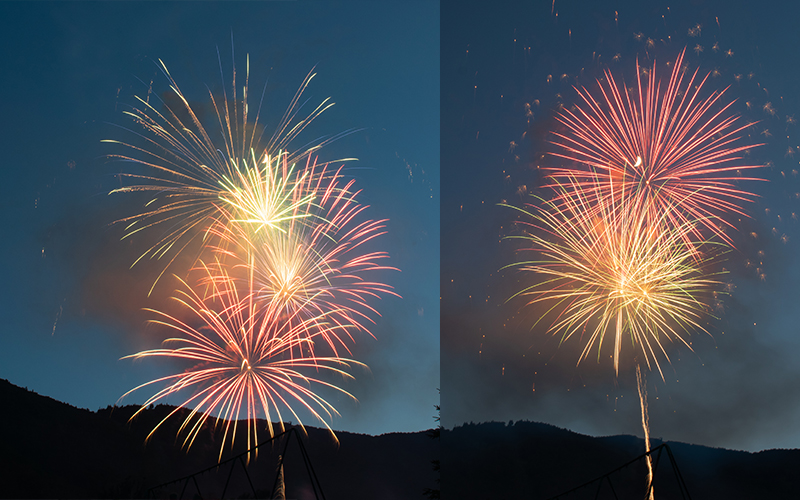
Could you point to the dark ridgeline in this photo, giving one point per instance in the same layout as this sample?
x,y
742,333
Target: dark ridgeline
x,y
53,450
538,461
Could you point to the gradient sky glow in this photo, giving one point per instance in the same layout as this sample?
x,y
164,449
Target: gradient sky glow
x,y
71,305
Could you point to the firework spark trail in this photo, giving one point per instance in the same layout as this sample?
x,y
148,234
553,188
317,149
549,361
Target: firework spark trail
x,y
609,269
663,143
310,269
242,367
192,176
641,386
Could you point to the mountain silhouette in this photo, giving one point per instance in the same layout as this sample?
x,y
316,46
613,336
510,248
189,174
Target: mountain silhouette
x,y
53,450
538,461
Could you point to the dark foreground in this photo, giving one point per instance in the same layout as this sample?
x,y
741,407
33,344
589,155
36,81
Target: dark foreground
x,y
53,450
539,461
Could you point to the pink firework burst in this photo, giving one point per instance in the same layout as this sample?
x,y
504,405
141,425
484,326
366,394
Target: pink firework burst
x,y
660,144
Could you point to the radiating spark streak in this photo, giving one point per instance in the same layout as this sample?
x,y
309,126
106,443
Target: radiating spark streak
x,y
262,196
242,364
192,175
307,270
610,269
662,142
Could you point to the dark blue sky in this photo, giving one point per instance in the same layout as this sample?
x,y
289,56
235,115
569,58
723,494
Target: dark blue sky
x,y
71,307
738,389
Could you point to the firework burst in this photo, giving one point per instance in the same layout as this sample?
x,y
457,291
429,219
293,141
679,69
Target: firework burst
x,y
310,269
284,270
678,155
608,269
192,176
613,267
242,363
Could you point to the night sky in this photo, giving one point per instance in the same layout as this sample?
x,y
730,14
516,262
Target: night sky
x,y
71,305
738,389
